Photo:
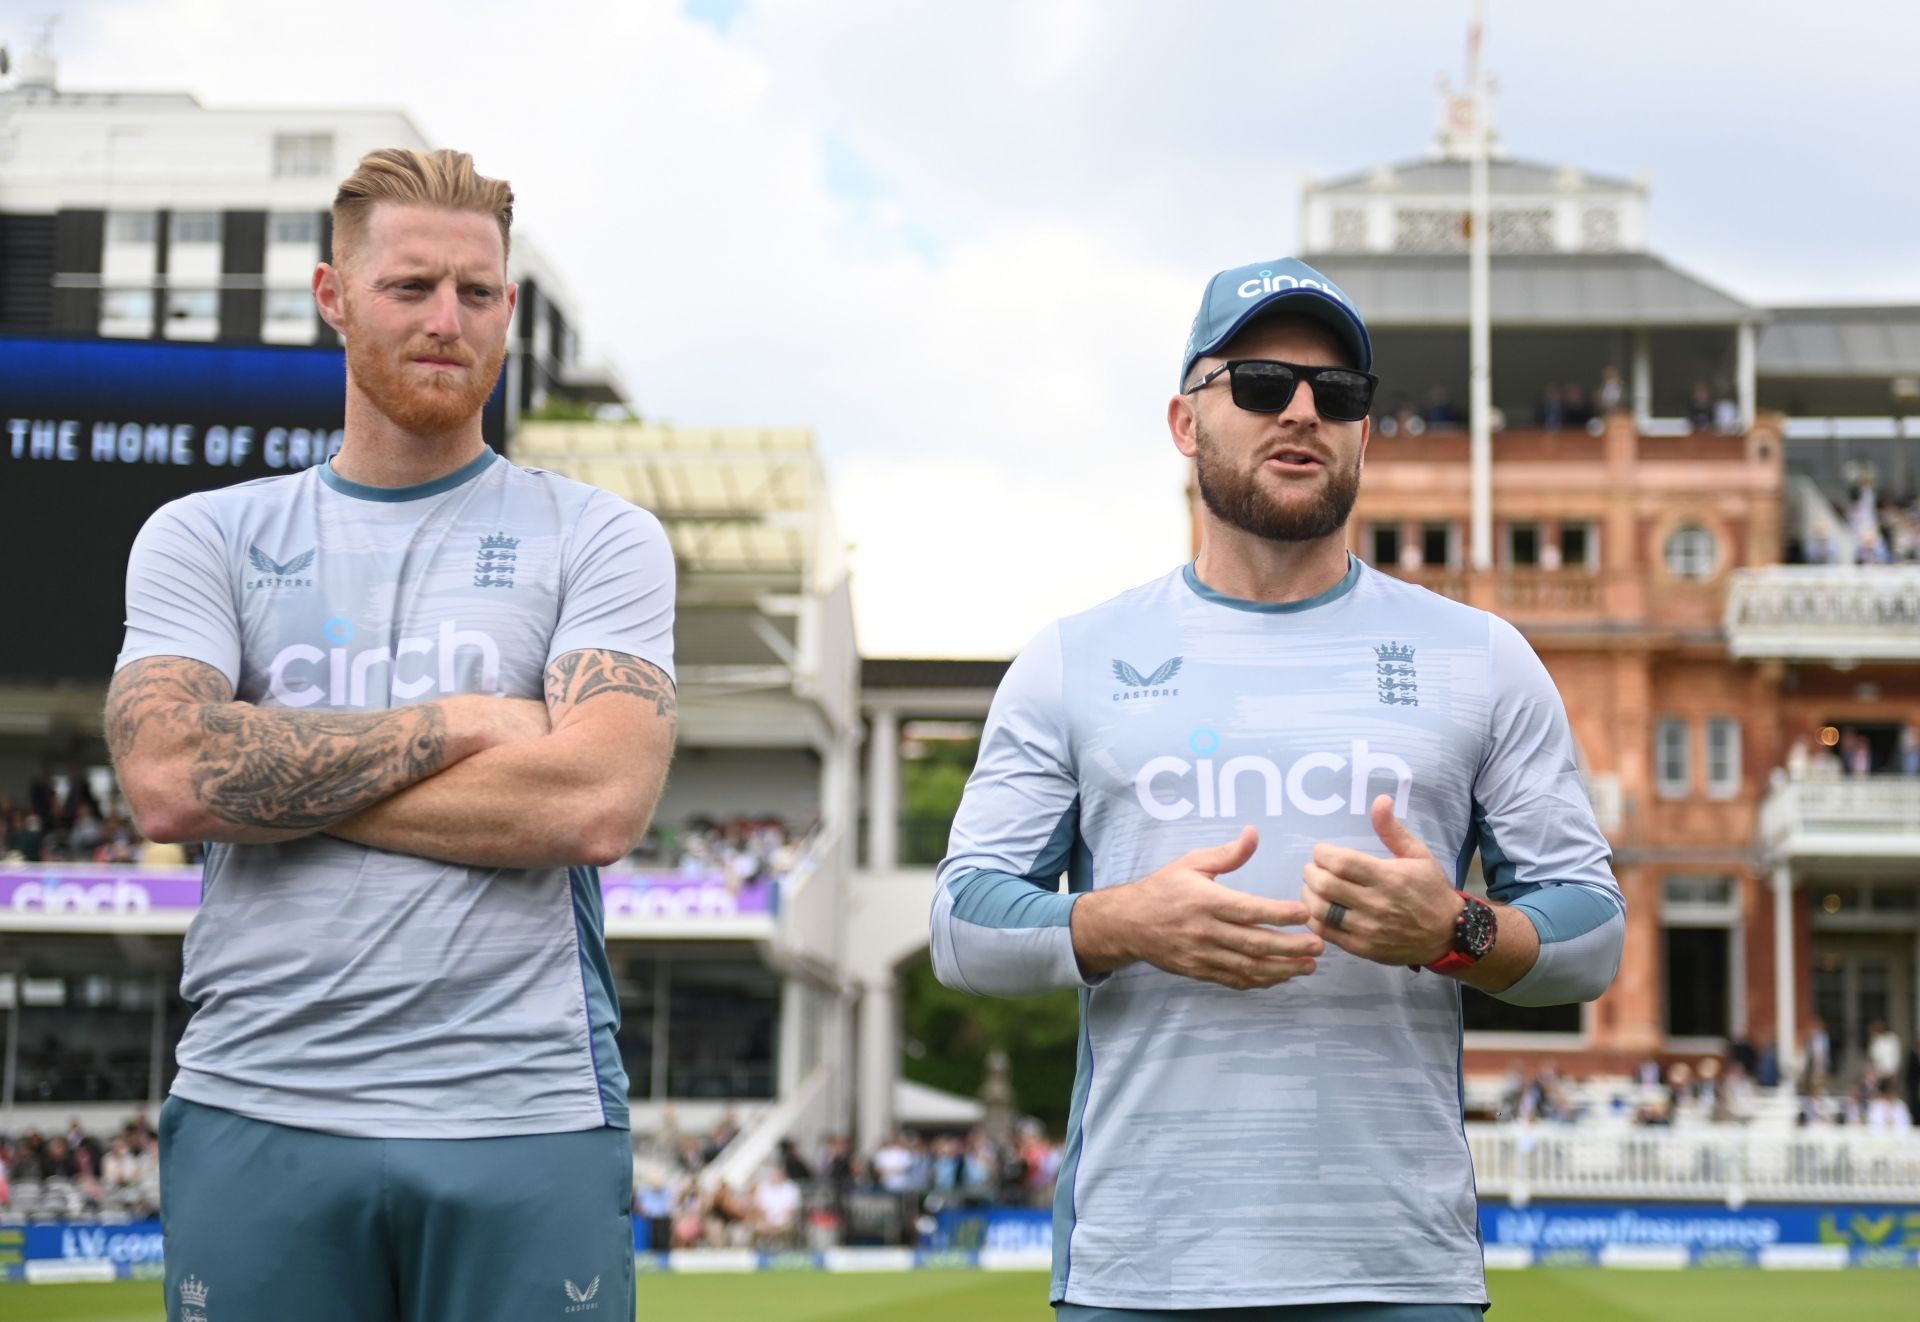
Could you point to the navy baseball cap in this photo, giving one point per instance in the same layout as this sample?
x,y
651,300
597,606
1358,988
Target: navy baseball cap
x,y
1236,297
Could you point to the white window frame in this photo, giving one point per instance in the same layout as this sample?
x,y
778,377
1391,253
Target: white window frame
x,y
137,327
305,224
302,154
1727,785
189,229
1666,786
1725,915
127,227
1692,553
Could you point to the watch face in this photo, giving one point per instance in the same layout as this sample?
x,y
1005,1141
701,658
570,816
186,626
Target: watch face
x,y
1474,937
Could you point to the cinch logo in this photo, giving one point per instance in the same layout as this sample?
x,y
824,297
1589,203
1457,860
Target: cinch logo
x,y
1314,784
296,675
1269,283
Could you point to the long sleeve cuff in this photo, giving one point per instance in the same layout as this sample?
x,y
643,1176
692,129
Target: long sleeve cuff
x,y
997,934
1582,931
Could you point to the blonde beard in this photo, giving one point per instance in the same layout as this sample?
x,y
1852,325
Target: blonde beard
x,y
425,408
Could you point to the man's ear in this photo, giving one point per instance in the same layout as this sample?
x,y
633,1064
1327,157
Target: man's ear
x,y
1183,424
329,295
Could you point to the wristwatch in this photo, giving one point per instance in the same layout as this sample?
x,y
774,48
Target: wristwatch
x,y
1473,935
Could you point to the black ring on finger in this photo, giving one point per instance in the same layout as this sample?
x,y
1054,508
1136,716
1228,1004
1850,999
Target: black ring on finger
x,y
1336,915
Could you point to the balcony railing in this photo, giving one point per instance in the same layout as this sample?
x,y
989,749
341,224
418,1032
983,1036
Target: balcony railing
x,y
1827,612
1757,1165
1571,591
1851,816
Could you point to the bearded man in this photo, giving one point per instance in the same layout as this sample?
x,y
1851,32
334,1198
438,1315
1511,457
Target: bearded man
x,y
413,697
1250,771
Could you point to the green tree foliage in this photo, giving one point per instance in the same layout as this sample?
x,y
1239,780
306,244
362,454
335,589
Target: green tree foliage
x,y
949,1033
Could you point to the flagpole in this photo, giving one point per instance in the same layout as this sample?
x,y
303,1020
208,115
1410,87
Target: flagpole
x,y
1480,328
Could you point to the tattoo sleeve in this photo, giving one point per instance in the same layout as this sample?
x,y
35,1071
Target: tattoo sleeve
x,y
579,677
268,768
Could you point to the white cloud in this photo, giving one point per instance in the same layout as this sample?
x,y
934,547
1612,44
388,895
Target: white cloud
x,y
962,241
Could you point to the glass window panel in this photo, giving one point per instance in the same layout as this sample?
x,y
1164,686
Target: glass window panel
x,y
188,227
1692,552
1523,544
127,305
294,227
1698,981
1723,756
1576,545
302,155
1436,545
289,305
1483,1014
1715,891
1386,545
192,305
1672,754
133,227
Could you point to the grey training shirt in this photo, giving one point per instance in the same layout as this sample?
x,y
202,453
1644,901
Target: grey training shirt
x,y
1300,1144
349,989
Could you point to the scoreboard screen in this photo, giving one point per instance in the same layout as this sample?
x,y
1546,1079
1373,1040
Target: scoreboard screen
x,y
97,434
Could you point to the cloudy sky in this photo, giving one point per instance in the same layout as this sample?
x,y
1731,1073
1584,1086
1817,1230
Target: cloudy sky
x,y
962,241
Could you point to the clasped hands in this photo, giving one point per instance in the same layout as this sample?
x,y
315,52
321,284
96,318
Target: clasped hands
x,y
1399,910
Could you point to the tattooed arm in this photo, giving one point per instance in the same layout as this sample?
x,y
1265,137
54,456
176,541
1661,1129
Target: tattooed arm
x,y
581,796
196,765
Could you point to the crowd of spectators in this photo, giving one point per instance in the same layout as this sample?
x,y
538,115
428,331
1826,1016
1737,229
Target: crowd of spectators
x,y
1852,754
1881,1094
835,1196
73,1175
61,820
1562,406
745,851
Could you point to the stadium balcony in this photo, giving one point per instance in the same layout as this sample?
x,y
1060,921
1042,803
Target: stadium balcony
x,y
767,667
1833,613
1734,1165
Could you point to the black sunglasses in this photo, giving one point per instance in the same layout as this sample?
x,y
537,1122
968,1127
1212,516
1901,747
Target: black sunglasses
x,y
1261,385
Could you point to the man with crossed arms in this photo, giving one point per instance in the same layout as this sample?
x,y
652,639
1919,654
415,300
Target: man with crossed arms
x,y
414,696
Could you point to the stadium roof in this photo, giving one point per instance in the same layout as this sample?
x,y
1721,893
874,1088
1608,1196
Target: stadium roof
x,y
1444,175
1841,341
735,501
1546,290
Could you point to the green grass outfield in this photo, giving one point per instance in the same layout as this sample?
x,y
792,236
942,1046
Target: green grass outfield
x,y
1559,1294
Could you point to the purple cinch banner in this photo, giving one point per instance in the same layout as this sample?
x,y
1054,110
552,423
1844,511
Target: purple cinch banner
x,y
112,890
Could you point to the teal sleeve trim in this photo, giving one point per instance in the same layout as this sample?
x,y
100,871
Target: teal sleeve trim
x,y
1000,899
1563,912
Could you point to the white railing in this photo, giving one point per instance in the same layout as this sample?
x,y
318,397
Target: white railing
x,y
1856,814
1733,1165
1828,612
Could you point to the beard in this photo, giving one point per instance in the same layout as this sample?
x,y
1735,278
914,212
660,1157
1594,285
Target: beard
x,y
437,403
1236,496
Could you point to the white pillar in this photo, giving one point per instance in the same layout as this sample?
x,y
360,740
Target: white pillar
x,y
879,1061
791,1044
883,791
1745,374
1784,1000
1479,319
1642,376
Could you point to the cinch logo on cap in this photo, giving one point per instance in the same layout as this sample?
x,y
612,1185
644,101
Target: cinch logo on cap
x,y
1269,283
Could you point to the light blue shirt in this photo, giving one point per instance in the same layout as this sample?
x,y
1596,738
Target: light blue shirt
x,y
352,990
1300,1144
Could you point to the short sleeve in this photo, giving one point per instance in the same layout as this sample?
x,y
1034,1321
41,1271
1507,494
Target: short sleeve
x,y
617,588
180,591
